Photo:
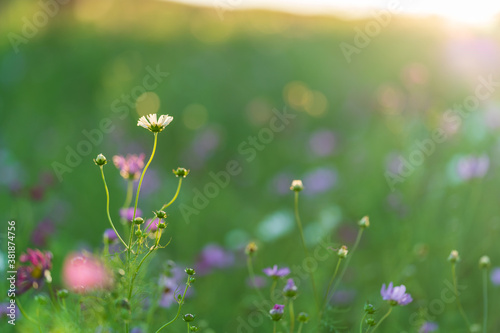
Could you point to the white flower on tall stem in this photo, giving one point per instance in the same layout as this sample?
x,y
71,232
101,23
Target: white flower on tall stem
x,y
151,123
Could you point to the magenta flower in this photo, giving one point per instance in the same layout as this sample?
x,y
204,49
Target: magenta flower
x,y
428,327
32,274
128,213
395,295
130,166
110,236
83,273
151,225
275,272
495,276
277,312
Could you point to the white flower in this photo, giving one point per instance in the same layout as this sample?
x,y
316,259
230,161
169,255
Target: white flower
x,y
154,125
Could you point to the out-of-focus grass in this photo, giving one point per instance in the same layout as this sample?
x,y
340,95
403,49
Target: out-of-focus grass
x,y
66,79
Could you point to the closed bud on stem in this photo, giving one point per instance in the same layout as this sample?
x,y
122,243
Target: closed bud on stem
x,y
190,271
181,172
364,222
138,220
342,253
100,160
369,308
192,279
194,328
138,233
297,185
277,312
303,317
160,214
188,317
62,294
454,257
162,225
251,249
41,299
485,262
371,322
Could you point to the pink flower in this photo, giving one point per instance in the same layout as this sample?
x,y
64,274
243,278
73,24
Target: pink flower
x,y
130,166
83,273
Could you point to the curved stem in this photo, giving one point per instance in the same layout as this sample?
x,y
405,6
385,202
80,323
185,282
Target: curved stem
x,y
325,302
306,251
252,278
292,316
382,319
175,196
144,172
21,309
361,323
107,209
179,309
485,299
459,304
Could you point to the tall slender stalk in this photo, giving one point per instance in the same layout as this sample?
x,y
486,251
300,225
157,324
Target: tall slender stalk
x,y
292,316
485,300
175,196
306,251
382,319
325,300
361,323
252,278
181,302
459,304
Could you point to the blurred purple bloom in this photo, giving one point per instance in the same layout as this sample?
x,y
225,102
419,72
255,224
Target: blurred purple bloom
x,y
259,282
43,230
319,180
136,330
396,295
151,226
322,142
130,166
202,148
495,276
428,327
473,167
279,308
8,309
343,297
32,274
110,235
128,213
290,285
281,183
275,272
172,285
213,256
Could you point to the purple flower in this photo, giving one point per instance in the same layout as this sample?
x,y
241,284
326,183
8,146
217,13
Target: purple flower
x,y
495,276
259,282
322,143
130,166
320,180
395,295
151,225
427,327
42,232
473,167
110,236
32,274
9,309
290,289
172,284
213,256
275,272
128,213
277,312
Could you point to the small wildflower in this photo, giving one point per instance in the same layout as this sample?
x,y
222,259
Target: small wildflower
x,y
251,249
110,236
181,172
297,186
32,275
100,160
428,327
342,253
303,317
277,312
369,308
454,257
188,317
485,262
364,222
290,289
151,123
395,295
130,166
276,272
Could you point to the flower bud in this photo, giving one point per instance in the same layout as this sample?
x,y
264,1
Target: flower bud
x,y
485,262
277,312
62,294
162,225
297,186
192,279
454,257
181,172
364,222
290,289
342,253
193,328
160,214
41,299
188,317
303,317
251,249
371,322
369,308
190,271
138,220
138,233
100,160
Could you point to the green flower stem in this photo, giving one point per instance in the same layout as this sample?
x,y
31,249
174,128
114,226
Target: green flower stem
x,y
130,189
306,251
107,209
485,299
382,319
189,328
175,196
325,300
188,284
144,172
252,277
347,260
361,323
52,294
137,271
300,327
274,327
21,309
292,316
273,287
459,304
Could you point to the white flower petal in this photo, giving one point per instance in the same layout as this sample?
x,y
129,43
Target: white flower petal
x,y
152,119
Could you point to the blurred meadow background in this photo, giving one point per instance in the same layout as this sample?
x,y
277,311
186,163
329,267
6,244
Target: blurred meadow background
x,y
363,141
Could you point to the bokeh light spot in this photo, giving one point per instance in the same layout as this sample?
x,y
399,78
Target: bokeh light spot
x,y
147,103
195,116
